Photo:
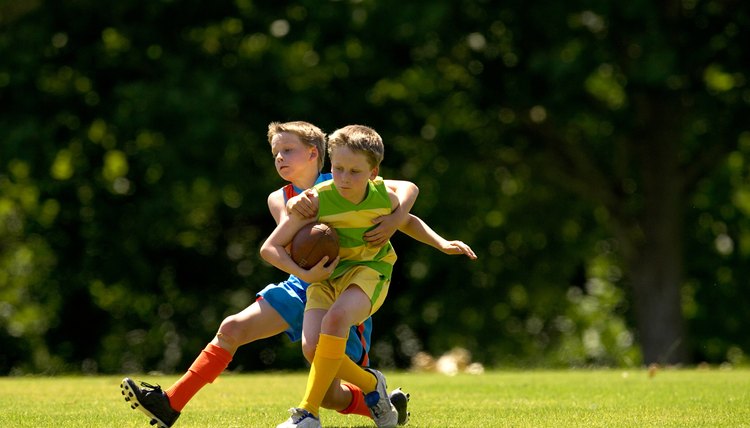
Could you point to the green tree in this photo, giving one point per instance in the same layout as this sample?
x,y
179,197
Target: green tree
x,y
594,155
626,107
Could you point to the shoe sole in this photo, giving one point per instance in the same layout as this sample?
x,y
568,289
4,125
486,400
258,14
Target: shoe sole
x,y
400,401
132,399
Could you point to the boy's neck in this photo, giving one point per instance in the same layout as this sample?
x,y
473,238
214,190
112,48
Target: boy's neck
x,y
307,181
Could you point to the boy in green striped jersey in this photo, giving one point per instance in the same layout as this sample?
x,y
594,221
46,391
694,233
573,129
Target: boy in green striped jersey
x,y
354,285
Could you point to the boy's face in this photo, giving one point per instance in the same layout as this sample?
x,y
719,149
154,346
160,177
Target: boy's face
x,y
351,172
292,157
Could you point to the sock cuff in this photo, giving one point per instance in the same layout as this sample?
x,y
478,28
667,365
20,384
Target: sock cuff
x,y
357,396
218,352
211,362
331,346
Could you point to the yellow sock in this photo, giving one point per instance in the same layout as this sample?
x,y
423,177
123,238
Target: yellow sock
x,y
328,356
352,373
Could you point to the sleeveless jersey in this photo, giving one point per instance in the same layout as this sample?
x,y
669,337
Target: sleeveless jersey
x,y
351,221
290,191
288,299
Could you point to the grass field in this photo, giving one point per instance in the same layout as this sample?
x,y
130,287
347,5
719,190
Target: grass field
x,y
608,398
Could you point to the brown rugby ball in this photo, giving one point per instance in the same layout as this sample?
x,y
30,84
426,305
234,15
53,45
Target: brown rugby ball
x,y
312,243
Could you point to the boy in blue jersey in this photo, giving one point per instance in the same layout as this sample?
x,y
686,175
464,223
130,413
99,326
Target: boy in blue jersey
x,y
299,151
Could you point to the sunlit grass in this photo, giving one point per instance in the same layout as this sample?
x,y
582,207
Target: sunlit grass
x,y
608,398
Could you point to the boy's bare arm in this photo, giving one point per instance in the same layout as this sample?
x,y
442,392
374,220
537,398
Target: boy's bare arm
x,y
416,228
276,205
406,193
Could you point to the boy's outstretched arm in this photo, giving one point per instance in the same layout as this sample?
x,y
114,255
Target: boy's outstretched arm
x,y
387,225
416,228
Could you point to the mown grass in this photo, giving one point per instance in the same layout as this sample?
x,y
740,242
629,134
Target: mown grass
x,y
606,398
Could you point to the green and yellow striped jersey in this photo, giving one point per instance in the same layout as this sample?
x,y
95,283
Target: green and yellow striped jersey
x,y
351,221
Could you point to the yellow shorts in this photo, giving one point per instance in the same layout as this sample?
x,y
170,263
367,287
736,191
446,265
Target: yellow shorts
x,y
321,295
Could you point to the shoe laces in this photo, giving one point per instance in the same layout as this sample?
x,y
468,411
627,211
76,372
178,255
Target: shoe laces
x,y
153,387
299,414
380,409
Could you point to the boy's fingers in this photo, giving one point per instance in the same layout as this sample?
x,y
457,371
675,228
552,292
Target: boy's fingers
x,y
334,263
323,263
306,208
458,247
467,250
375,238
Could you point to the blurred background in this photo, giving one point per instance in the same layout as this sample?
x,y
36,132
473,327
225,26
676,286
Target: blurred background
x,y
593,154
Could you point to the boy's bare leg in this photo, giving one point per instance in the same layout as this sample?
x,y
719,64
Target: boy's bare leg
x,y
352,307
338,397
257,321
311,331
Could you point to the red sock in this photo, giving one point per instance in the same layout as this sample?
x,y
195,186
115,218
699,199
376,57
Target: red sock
x,y
204,370
357,406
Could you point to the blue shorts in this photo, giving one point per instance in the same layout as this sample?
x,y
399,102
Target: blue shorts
x,y
288,298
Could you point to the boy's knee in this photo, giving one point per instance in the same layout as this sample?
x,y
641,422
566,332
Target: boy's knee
x,y
228,325
309,351
334,320
231,332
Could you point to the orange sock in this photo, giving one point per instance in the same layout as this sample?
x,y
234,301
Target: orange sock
x,y
357,406
204,370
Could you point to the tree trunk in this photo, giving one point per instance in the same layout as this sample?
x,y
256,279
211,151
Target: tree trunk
x,y
655,264
656,279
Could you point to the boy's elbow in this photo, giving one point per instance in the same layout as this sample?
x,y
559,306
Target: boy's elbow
x,y
265,252
411,188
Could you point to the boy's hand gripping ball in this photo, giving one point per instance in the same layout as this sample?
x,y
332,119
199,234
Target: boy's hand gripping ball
x,y
312,243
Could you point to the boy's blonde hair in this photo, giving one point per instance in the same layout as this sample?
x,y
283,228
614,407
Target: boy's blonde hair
x,y
308,133
359,138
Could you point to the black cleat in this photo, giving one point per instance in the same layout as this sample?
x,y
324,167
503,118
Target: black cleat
x,y
400,401
150,400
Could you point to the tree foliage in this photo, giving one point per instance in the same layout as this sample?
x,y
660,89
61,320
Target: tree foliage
x,y
594,155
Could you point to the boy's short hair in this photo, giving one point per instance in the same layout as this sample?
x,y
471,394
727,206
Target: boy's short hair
x,y
308,133
359,138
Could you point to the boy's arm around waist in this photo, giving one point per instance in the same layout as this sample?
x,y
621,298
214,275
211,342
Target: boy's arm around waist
x,y
406,192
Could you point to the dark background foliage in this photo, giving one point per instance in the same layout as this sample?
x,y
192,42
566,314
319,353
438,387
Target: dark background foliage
x,y
594,156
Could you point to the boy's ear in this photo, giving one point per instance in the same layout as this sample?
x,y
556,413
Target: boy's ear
x,y
314,153
374,173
